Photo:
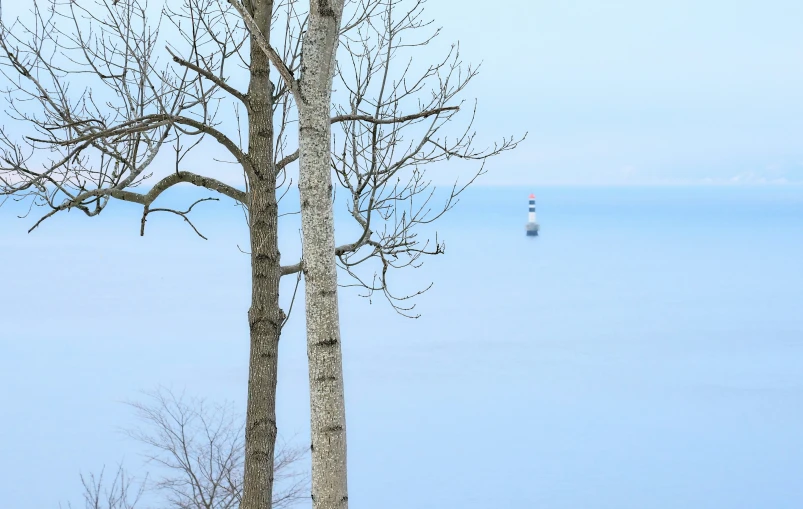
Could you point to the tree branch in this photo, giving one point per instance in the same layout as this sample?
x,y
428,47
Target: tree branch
x,y
149,197
148,123
396,120
148,210
291,269
286,160
368,118
183,176
263,43
211,77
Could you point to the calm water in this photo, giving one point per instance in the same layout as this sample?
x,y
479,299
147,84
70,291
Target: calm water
x,y
645,351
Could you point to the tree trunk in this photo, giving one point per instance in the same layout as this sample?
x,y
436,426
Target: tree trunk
x,y
327,403
264,316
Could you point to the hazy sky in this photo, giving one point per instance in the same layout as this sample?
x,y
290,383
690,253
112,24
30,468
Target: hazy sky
x,y
635,91
628,91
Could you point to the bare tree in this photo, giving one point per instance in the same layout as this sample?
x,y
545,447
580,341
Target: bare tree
x,y
100,142
399,119
327,398
201,449
122,493
98,139
370,166
198,452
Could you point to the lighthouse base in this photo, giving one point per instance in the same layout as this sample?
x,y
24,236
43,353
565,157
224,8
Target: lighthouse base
x,y
532,229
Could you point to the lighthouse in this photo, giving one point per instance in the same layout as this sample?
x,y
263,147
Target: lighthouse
x,y
532,226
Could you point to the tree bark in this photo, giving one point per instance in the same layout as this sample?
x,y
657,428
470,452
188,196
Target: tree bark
x,y
327,402
265,315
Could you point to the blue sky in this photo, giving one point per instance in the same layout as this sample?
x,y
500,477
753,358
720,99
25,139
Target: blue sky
x,y
629,92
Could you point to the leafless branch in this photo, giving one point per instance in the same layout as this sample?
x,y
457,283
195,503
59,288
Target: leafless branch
x,y
104,139
122,493
263,43
148,210
399,119
393,117
211,77
197,450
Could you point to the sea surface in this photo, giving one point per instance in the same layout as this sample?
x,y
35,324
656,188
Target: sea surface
x,y
644,352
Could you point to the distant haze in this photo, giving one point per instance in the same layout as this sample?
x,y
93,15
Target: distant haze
x,y
632,92
643,352
627,91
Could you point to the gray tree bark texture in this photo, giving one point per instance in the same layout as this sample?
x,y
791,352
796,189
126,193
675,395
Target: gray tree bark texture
x,y
327,400
265,315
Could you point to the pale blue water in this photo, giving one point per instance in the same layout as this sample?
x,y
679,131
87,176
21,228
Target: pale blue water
x,y
646,351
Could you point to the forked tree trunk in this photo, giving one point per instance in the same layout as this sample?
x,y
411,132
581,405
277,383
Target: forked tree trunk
x,y
264,316
327,403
